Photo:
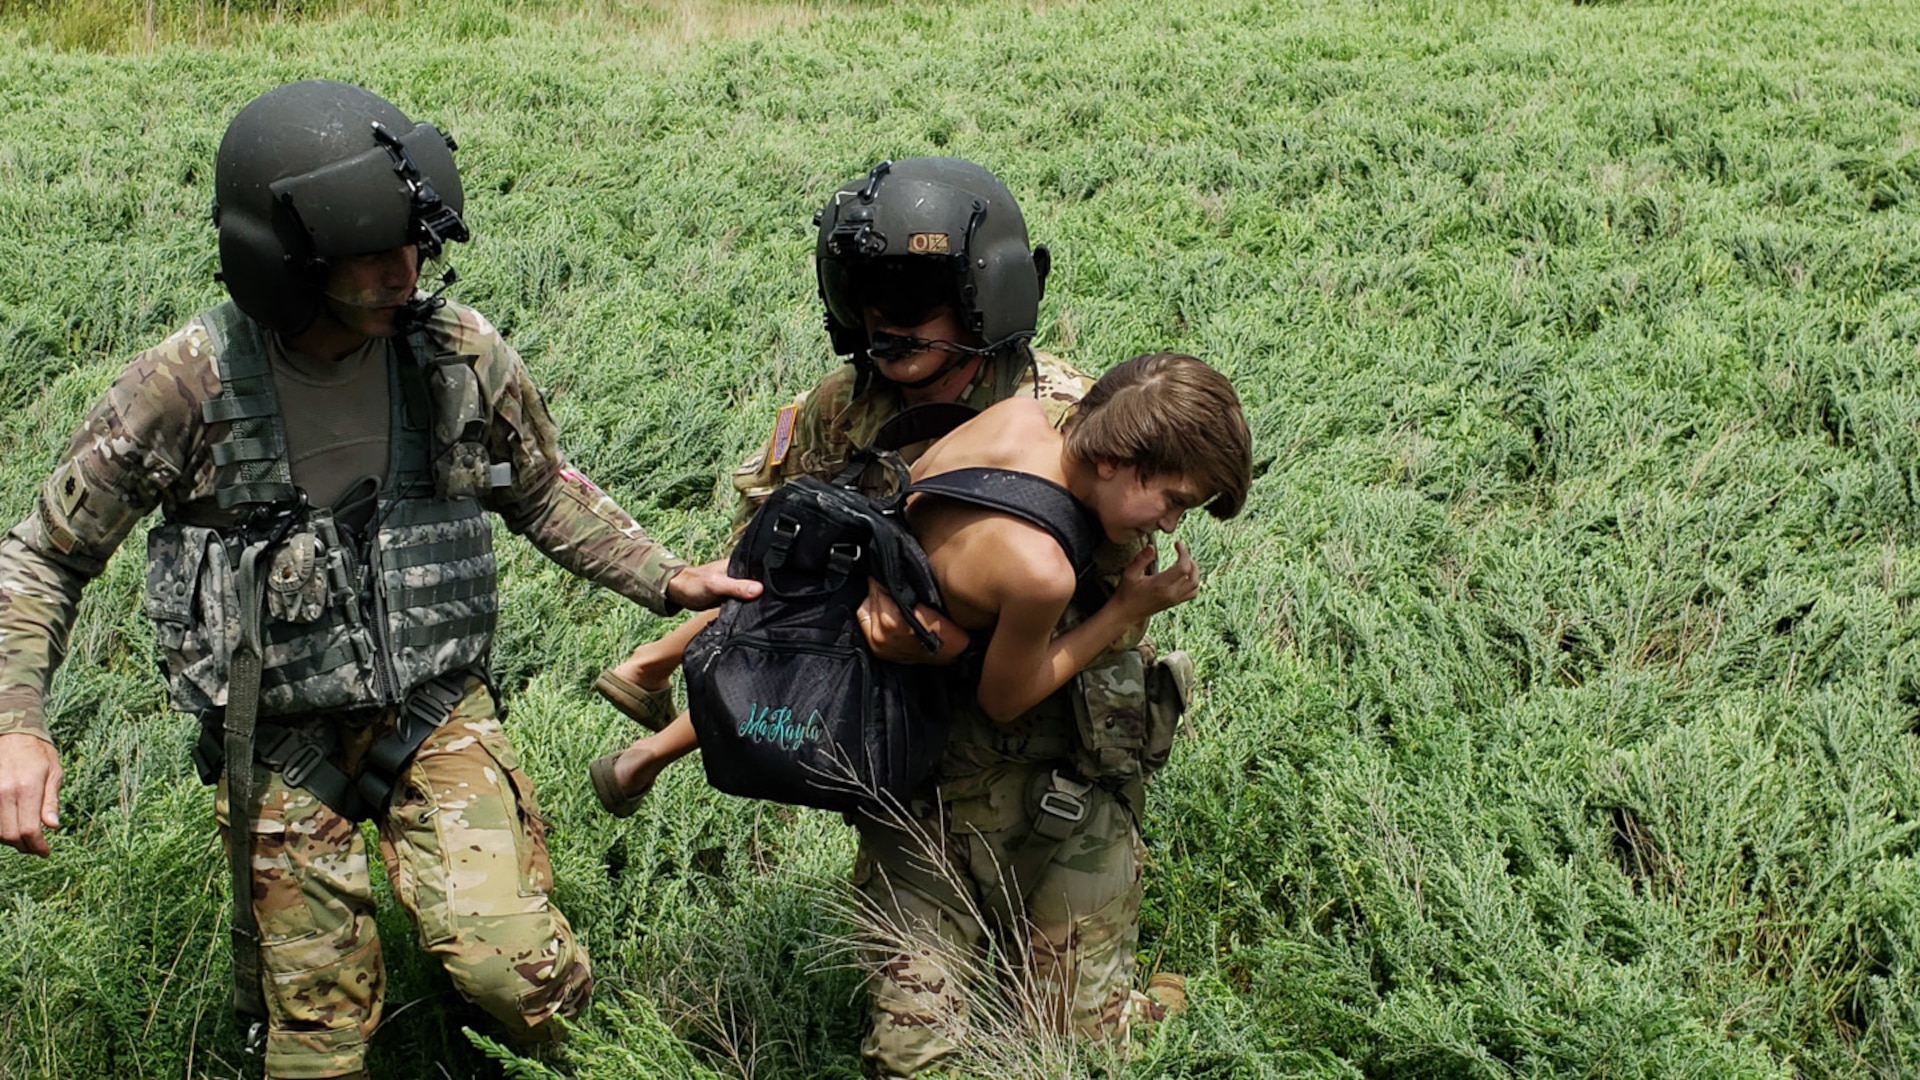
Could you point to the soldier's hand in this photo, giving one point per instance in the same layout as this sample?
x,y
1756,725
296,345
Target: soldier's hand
x,y
890,638
30,777
699,587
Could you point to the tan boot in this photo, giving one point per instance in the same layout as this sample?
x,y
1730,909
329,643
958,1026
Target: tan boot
x,y
1168,991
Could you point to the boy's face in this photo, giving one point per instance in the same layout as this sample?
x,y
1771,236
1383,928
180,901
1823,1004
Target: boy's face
x,y
1131,507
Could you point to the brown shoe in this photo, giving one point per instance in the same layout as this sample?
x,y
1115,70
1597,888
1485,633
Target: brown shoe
x,y
651,709
616,800
1169,992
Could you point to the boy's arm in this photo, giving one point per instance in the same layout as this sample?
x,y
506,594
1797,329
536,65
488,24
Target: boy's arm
x,y
1026,661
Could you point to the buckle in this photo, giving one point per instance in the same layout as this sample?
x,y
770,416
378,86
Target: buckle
x,y
273,746
300,764
1065,806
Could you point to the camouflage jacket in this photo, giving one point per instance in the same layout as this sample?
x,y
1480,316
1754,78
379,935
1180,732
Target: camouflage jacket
x,y
144,445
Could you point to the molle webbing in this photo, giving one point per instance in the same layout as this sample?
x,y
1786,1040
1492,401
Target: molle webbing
x,y
253,457
424,608
435,562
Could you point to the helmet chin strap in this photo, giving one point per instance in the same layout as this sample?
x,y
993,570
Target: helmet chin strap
x,y
884,346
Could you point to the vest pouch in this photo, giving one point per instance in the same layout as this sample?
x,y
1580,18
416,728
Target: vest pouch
x,y
297,580
460,472
1110,711
459,410
459,420
1169,693
190,598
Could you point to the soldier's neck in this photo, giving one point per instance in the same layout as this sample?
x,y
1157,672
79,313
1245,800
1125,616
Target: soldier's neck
x,y
326,338
949,387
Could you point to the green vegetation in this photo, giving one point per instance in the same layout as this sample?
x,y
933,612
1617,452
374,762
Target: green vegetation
x,y
1562,677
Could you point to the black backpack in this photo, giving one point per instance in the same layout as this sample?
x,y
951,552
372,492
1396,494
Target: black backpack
x,y
788,702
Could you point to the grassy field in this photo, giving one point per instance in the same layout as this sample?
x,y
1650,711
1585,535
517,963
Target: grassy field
x,y
1561,679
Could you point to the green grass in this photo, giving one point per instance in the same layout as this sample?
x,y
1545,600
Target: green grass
x,y
1561,679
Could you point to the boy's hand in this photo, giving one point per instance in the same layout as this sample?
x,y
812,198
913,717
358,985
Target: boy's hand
x,y
891,639
1144,591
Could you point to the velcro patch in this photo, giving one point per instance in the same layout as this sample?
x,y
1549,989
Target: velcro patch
x,y
782,439
576,476
929,243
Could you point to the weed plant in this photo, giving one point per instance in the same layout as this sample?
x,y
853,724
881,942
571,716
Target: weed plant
x,y
1561,680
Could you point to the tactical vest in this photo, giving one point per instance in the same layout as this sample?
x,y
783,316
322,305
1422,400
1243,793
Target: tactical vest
x,y
347,621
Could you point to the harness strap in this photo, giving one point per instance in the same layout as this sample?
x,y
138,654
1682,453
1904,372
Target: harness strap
x,y
243,703
254,447
1058,805
308,756
426,710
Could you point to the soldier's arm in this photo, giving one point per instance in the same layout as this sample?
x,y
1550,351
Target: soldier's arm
x,y
130,449
557,507
38,597
797,428
565,515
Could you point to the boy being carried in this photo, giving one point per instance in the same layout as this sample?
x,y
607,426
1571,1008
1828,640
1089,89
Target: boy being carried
x,y
1157,436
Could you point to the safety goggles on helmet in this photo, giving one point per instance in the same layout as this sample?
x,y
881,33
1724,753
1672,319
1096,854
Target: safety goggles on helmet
x,y
346,209
906,291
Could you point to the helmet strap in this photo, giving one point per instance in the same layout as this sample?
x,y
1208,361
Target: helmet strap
x,y
885,346
421,308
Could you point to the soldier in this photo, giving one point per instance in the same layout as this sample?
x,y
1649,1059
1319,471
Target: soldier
x,y
932,291
323,448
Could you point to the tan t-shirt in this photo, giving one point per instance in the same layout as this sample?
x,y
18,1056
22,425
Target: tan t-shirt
x,y
336,415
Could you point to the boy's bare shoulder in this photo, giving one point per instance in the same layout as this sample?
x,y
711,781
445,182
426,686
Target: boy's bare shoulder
x,y
1010,435
1017,412
1022,561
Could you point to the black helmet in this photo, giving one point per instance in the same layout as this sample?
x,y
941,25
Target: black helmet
x,y
919,232
317,169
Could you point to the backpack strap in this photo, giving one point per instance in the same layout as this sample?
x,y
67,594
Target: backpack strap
x,y
1037,501
1033,499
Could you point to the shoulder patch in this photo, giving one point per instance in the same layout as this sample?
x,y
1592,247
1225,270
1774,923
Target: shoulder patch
x,y
782,439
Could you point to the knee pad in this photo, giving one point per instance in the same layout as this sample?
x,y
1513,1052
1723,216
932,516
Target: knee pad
x,y
522,969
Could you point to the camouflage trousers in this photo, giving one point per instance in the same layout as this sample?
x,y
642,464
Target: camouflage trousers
x,y
1071,957
465,850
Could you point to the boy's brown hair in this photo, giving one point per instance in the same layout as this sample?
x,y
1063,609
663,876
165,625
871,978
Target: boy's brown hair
x,y
1168,413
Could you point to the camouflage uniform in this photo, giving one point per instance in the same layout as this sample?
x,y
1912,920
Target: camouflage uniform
x,y
1082,911
462,839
